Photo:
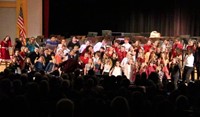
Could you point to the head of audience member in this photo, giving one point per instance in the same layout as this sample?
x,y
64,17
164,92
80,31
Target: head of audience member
x,y
65,108
120,107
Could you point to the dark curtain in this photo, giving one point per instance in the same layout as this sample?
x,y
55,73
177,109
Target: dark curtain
x,y
46,18
170,18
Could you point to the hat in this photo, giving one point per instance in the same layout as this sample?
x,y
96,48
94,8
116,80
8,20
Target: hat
x,y
154,34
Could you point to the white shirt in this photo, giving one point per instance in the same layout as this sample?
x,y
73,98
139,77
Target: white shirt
x,y
134,58
117,71
97,46
163,47
124,61
189,62
127,46
106,68
128,71
83,46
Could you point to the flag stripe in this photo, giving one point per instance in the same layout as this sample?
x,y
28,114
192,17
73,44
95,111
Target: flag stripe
x,y
20,23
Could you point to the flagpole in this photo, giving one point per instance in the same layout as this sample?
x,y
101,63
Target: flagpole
x,y
23,5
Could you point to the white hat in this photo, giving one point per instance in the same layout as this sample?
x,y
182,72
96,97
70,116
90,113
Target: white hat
x,y
154,34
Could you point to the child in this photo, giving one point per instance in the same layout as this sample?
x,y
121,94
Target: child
x,y
88,66
116,70
98,67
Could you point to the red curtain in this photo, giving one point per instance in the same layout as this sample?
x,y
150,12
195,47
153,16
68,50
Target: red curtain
x,y
46,18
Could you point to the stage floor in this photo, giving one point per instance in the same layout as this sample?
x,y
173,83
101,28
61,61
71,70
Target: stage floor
x,y
2,67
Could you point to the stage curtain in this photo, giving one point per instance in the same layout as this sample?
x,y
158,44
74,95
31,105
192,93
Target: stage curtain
x,y
46,18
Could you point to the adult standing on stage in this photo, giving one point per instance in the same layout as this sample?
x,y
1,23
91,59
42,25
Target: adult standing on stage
x,y
4,50
192,46
188,66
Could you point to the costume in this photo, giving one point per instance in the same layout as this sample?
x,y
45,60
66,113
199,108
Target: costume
x,y
4,51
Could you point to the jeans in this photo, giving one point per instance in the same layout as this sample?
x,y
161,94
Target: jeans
x,y
186,73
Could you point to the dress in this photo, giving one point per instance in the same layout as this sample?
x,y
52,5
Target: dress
x,y
4,51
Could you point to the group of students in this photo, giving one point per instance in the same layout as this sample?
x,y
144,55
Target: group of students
x,y
129,58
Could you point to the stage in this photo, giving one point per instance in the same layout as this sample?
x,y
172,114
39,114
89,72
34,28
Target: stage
x,y
2,67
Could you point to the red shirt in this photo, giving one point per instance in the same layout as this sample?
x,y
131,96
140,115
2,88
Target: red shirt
x,y
191,47
84,60
116,49
147,48
121,55
141,60
175,47
151,69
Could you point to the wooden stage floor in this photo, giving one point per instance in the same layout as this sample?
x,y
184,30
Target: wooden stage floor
x,y
2,67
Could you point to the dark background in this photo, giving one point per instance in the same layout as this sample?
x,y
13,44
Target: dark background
x,y
78,17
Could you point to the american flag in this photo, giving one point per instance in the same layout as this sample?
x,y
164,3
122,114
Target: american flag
x,y
20,23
